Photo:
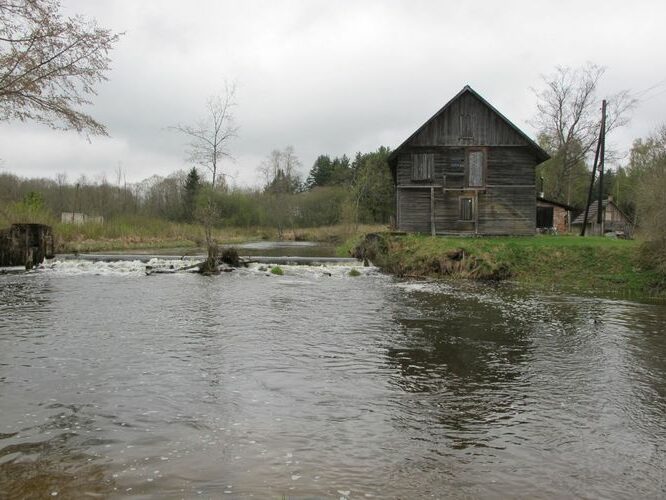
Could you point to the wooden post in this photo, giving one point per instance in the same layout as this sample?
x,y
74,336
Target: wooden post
x,y
397,208
475,209
432,211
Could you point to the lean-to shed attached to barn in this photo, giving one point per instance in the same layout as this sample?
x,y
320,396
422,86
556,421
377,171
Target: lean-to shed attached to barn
x,y
467,170
553,216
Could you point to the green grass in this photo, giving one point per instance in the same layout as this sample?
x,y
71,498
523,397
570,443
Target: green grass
x,y
277,270
601,265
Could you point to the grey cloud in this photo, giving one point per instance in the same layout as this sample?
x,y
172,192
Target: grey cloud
x,y
331,77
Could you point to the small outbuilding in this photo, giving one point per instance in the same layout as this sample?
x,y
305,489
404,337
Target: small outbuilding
x,y
553,216
79,218
467,170
613,220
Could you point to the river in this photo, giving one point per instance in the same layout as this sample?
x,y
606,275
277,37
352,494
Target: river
x,y
318,384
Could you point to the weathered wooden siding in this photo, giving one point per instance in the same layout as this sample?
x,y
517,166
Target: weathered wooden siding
x,y
467,121
500,210
506,165
447,161
507,210
510,167
447,205
505,206
414,210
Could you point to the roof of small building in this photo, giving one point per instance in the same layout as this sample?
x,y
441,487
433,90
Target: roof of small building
x,y
556,203
594,209
540,153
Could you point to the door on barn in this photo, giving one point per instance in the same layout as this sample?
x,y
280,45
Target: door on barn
x,y
544,217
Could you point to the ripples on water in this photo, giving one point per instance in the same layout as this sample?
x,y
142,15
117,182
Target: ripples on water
x,y
113,383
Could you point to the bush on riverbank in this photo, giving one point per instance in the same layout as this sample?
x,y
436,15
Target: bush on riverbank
x,y
590,263
652,255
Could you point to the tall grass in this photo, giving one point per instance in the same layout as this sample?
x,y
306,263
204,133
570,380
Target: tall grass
x,y
22,213
127,232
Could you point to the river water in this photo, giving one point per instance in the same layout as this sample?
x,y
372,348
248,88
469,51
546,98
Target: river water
x,y
318,384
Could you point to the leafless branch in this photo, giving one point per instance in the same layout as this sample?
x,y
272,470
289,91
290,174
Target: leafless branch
x,y
569,119
209,138
49,65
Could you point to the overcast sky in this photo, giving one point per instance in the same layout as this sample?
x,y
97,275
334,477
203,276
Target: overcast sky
x,y
333,77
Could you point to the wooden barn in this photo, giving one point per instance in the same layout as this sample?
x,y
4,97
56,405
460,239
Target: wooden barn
x,y
467,170
613,220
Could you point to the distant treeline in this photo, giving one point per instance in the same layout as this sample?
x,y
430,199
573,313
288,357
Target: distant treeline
x,y
336,190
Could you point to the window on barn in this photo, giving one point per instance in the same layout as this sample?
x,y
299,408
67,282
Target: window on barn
x,y
423,167
466,209
476,168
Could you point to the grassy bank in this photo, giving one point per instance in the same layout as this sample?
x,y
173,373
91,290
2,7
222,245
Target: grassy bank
x,y
599,265
131,233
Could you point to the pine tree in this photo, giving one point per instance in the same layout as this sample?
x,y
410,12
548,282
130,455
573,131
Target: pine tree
x,y
190,193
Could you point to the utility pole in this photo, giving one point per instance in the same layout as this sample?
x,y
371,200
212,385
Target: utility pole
x,y
599,153
602,140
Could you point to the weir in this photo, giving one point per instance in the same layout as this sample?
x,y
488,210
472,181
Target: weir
x,y
260,259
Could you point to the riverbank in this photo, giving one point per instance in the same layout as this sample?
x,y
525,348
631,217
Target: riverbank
x,y
592,264
141,233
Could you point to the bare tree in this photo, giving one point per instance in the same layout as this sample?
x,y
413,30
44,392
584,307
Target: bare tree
x,y
270,166
278,163
210,136
49,65
280,170
568,118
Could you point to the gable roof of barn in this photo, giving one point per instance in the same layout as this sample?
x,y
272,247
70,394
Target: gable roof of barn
x,y
539,152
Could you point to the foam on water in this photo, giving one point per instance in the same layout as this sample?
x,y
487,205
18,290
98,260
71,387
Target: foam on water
x,y
422,286
313,271
137,267
80,266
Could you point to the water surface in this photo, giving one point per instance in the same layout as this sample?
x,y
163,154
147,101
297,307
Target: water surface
x,y
318,384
